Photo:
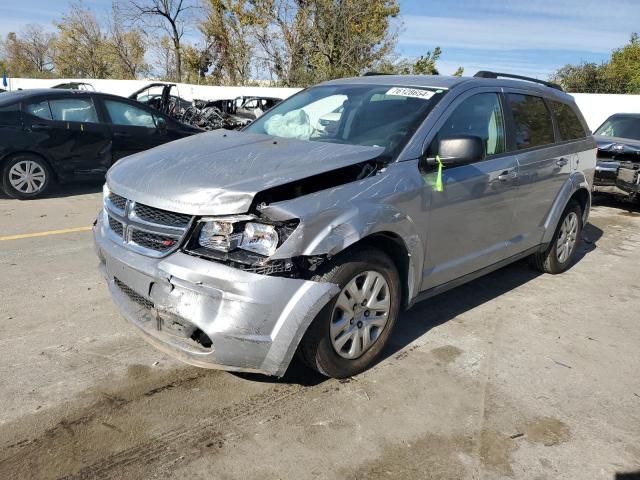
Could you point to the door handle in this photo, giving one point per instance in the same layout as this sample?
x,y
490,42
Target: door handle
x,y
40,126
508,175
562,162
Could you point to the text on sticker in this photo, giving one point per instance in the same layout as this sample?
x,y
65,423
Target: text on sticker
x,y
411,92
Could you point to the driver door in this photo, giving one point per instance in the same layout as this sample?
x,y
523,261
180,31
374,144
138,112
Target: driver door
x,y
471,221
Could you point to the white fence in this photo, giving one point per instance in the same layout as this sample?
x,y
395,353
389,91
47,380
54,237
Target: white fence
x,y
595,107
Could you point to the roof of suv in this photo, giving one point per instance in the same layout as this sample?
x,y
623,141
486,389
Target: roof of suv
x,y
447,82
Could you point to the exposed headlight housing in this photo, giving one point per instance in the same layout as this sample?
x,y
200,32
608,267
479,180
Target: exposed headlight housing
x,y
217,235
226,234
260,238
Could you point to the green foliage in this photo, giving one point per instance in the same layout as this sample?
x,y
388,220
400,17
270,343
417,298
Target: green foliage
x,y
621,74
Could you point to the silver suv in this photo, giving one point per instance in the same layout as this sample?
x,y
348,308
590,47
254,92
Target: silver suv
x,y
314,227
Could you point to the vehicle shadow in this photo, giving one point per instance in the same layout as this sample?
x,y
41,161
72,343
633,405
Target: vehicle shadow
x,y
428,314
613,202
66,190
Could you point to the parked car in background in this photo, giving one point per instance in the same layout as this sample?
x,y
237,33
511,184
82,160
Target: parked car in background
x,y
618,169
76,86
237,249
163,97
67,135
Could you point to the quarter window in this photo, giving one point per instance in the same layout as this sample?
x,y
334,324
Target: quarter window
x,y
568,123
73,110
125,114
479,115
533,125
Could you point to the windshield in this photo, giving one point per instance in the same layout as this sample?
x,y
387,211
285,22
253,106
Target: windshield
x,y
371,115
623,127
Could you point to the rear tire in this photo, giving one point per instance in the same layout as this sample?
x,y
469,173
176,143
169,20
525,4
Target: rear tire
x,y
351,331
559,254
26,176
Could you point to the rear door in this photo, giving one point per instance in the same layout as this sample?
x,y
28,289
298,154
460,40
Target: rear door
x,y
471,222
69,129
544,165
135,127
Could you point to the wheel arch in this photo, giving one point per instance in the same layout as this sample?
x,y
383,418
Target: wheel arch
x,y
575,188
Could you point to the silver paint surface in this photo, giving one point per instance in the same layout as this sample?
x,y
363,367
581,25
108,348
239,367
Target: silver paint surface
x,y
255,321
219,172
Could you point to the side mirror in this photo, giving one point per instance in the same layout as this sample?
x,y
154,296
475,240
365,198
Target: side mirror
x,y
459,150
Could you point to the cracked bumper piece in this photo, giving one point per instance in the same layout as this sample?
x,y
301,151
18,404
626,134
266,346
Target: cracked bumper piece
x,y
208,314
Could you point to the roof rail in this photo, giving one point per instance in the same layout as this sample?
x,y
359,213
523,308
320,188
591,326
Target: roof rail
x,y
486,74
373,74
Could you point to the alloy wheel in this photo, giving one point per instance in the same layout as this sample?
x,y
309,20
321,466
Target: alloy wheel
x,y
360,314
567,237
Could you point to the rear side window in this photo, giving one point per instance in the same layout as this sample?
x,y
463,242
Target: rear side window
x,y
568,123
125,114
533,125
73,110
39,109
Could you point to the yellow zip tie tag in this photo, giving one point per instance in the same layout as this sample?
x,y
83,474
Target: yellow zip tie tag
x,y
82,127
439,187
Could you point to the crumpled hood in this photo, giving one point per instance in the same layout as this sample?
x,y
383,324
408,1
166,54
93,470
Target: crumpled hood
x,y
617,145
219,172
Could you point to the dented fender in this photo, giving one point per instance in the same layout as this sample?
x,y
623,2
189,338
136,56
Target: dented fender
x,y
575,182
335,219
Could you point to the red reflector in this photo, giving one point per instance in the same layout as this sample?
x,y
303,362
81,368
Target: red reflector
x,y
167,243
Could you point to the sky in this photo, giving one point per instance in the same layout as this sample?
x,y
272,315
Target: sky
x,y
527,37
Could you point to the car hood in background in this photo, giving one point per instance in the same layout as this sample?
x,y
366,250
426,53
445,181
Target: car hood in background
x,y
621,148
220,172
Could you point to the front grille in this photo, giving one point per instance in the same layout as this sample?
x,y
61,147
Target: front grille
x,y
274,268
117,201
153,241
148,230
133,296
116,226
156,215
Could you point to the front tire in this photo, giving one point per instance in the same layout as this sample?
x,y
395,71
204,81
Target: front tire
x,y
350,333
26,176
559,255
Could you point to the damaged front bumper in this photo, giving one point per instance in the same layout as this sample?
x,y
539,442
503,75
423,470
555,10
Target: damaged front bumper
x,y
617,178
208,314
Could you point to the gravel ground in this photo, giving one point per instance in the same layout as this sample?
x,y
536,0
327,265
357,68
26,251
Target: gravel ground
x,y
515,375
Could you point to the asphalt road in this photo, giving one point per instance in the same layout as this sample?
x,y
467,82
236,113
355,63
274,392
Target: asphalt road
x,y
515,375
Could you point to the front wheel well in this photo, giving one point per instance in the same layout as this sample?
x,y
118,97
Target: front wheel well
x,y
392,245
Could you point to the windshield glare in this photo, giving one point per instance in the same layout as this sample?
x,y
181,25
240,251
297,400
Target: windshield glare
x,y
370,115
623,127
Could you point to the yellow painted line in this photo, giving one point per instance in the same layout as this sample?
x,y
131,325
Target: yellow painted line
x,y
45,234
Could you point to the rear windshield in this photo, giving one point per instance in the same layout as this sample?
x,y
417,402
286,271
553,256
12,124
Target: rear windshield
x,y
369,115
623,127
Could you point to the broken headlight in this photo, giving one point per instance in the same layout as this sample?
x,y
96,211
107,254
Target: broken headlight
x,y
260,238
229,234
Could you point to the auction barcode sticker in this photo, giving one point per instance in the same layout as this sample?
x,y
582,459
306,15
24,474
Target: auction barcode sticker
x,y
411,92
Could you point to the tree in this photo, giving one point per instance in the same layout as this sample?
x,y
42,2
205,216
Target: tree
x,y
459,72
29,53
621,74
81,49
229,46
170,16
426,64
126,48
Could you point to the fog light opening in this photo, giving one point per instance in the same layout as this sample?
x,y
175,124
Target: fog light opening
x,y
202,338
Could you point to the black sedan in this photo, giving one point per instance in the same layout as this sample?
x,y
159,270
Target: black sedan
x,y
65,135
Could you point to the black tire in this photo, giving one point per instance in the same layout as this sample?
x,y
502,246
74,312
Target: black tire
x,y
316,347
547,261
42,169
